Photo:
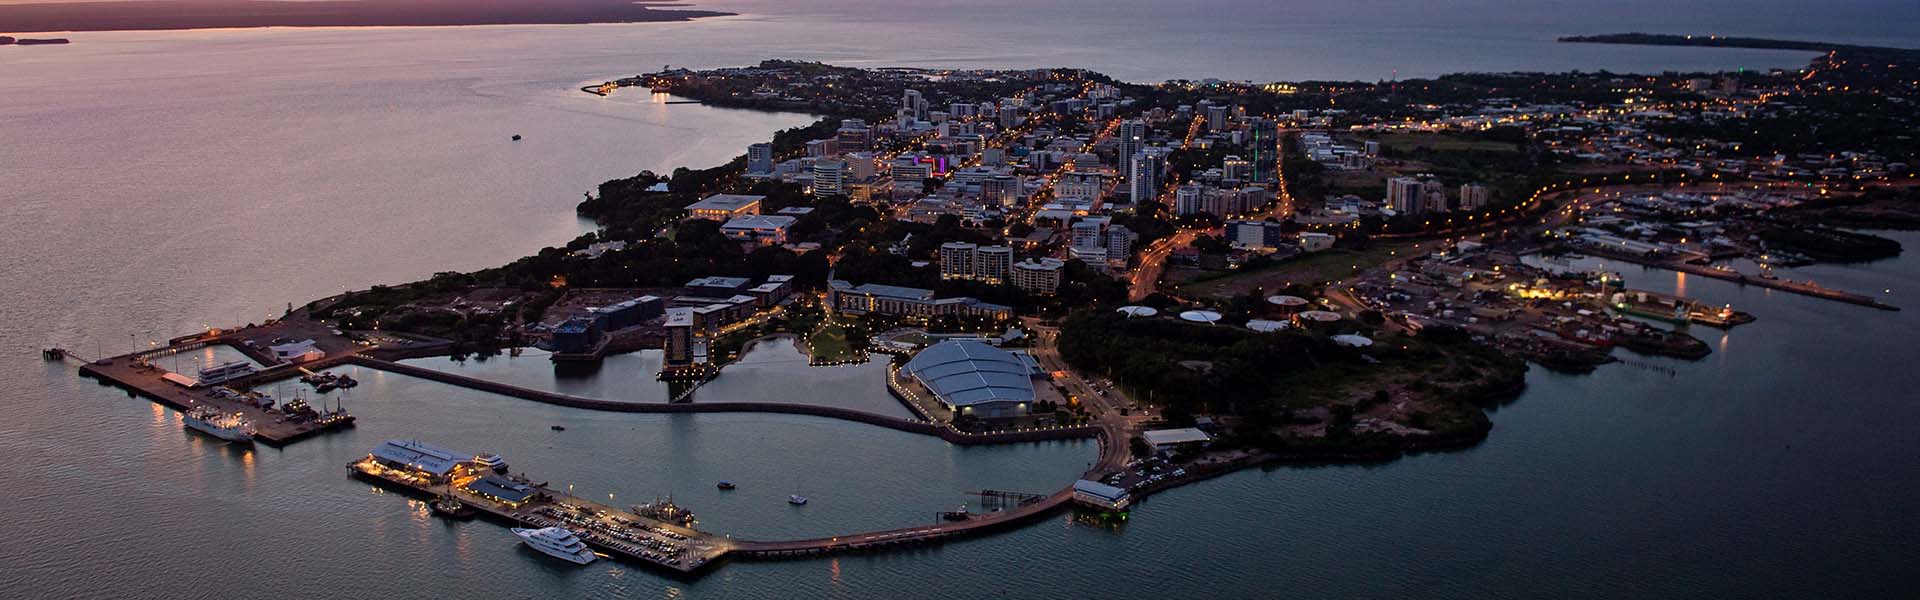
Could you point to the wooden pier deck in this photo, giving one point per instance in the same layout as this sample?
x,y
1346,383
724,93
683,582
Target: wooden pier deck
x,y
610,531
978,524
142,379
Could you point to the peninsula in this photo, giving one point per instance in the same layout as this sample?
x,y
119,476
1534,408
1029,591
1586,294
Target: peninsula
x,y
1200,276
122,15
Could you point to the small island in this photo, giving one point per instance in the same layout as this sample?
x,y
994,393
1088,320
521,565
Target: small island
x,y
152,15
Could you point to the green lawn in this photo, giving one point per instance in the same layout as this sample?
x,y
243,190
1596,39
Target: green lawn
x,y
1330,265
830,344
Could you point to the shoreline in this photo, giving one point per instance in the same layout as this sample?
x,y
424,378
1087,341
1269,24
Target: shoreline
x,y
141,15
1740,42
1110,434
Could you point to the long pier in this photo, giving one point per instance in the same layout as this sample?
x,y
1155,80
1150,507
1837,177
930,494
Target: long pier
x,y
978,524
1794,287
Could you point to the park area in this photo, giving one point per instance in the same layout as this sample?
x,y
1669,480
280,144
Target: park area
x,y
1307,269
831,344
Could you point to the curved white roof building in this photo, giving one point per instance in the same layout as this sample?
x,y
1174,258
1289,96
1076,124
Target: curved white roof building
x,y
1139,311
1201,316
973,378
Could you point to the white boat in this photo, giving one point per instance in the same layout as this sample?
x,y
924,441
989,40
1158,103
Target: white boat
x,y
558,542
227,426
225,371
491,461
796,499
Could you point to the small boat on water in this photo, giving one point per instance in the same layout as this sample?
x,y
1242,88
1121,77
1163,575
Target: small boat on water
x,y
558,428
231,427
959,514
557,542
53,353
726,485
452,508
796,500
516,137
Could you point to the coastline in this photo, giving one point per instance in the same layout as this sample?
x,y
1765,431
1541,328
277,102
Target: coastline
x,y
138,15
1371,450
1722,41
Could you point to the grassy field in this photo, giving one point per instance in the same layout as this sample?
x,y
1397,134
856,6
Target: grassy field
x,y
830,344
1331,265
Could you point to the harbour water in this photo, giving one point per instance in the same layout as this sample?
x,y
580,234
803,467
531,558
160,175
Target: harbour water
x,y
631,377
156,183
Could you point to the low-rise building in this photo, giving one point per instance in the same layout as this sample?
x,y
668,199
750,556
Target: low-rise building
x,y
896,300
1171,439
1093,494
763,230
1312,241
723,207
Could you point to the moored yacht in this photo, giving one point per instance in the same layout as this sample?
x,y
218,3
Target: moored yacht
x,y
491,461
227,426
558,542
225,371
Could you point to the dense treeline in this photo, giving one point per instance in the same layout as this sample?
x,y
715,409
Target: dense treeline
x,y
1267,377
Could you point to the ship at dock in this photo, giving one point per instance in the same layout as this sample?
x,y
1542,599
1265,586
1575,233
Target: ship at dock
x,y
666,511
557,542
224,372
231,427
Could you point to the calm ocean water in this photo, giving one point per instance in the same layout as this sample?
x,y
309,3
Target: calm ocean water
x,y
153,183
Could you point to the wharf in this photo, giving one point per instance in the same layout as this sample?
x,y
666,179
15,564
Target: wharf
x,y
1795,287
610,531
140,378
1679,310
977,524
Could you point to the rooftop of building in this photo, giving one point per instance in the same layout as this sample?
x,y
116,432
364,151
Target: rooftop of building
x,y
502,488
418,455
759,222
890,291
720,282
1187,435
726,202
970,372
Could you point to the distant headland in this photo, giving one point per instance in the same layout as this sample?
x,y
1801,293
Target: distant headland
x,y
10,41
1721,41
120,15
